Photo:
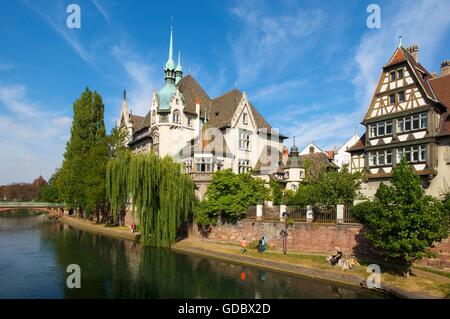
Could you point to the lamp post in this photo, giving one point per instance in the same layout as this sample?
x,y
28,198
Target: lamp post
x,y
284,233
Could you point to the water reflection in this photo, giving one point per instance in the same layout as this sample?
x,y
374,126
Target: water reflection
x,y
113,268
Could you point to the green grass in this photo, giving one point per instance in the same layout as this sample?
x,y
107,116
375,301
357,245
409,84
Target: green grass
x,y
434,271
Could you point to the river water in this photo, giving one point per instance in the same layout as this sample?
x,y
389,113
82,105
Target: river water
x,y
36,250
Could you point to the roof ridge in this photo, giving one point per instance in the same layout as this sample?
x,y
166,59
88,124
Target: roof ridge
x,y
230,91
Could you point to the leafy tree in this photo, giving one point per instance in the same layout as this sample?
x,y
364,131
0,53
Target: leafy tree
x,y
229,195
276,193
327,187
402,220
117,141
82,176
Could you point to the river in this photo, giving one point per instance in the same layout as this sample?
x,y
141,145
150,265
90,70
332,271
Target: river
x,y
36,250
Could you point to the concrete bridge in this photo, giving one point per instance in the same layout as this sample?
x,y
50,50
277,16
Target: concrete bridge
x,y
38,206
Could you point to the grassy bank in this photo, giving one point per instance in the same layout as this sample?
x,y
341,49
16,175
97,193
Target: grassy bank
x,y
421,284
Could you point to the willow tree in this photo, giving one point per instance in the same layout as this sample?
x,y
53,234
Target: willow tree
x,y
116,185
161,195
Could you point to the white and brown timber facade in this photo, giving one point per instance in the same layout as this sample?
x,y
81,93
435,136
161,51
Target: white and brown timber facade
x,y
408,117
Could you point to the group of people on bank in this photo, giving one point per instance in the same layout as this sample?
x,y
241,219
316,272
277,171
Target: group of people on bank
x,y
261,247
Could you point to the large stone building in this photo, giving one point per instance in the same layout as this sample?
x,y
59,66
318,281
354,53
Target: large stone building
x,y
206,134
407,117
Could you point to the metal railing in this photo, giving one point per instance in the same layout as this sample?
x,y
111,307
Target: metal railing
x,y
271,213
296,213
348,217
324,214
251,212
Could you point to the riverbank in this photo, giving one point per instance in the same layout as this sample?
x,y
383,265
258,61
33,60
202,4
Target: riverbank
x,y
422,284
120,232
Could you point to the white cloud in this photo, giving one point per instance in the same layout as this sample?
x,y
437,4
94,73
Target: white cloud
x,y
268,44
57,22
32,140
140,78
425,23
272,91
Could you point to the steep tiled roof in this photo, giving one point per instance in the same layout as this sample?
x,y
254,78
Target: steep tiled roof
x,y
441,88
397,57
401,55
191,90
359,145
421,73
224,107
145,122
136,120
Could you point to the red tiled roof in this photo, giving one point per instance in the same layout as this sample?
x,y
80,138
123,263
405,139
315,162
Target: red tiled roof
x,y
397,57
441,88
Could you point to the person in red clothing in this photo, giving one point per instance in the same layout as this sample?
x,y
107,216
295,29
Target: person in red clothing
x,y
243,245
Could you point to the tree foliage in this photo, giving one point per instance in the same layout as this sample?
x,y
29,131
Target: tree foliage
x,y
161,195
402,220
327,187
229,195
82,175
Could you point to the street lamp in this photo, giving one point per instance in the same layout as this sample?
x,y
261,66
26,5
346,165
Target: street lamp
x,y
284,232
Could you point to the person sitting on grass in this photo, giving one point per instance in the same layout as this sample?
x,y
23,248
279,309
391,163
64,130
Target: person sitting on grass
x,y
243,245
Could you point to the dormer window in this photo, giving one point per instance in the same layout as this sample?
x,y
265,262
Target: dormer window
x,y
245,118
189,121
176,116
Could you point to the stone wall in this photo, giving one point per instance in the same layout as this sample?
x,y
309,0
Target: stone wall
x,y
307,237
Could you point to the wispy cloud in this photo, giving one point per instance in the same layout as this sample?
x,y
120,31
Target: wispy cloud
x,y
101,9
273,91
140,78
269,43
425,23
57,22
32,139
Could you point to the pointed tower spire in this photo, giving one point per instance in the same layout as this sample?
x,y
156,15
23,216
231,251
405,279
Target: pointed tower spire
x,y
170,65
178,69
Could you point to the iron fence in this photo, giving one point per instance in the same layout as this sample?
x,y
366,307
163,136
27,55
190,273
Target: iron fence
x,y
348,216
296,213
271,213
324,214
251,212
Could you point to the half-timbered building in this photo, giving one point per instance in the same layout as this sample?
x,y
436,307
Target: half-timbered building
x,y
408,117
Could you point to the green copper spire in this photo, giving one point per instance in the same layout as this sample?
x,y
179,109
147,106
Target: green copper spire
x,y
179,67
170,65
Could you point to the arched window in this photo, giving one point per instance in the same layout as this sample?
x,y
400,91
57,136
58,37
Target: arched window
x,y
176,116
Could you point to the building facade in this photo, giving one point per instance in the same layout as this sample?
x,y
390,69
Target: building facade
x,y
408,117
205,134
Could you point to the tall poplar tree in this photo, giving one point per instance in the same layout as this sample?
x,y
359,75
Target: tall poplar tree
x,y
84,166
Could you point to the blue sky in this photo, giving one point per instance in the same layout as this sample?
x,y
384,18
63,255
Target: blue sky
x,y
310,67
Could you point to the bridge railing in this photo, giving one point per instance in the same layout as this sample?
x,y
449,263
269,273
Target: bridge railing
x,y
30,204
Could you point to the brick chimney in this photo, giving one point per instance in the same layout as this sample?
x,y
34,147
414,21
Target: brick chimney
x,y
445,68
414,50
